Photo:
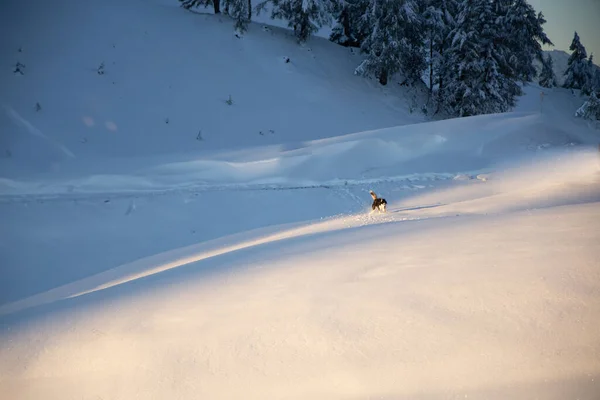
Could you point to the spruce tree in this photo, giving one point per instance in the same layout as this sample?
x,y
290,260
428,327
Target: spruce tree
x,y
576,72
591,108
394,40
589,83
596,79
523,34
241,12
439,20
349,29
433,25
304,16
187,4
547,77
475,84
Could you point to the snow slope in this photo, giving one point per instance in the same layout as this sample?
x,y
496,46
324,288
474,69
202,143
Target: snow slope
x,y
164,83
416,152
436,150
483,289
136,265
467,287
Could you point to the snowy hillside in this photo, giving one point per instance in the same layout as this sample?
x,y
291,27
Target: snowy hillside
x,y
137,261
430,151
466,288
559,63
167,79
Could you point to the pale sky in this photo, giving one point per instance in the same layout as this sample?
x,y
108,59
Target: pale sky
x,y
564,17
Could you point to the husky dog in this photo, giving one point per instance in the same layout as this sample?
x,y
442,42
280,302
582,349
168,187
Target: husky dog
x,y
378,204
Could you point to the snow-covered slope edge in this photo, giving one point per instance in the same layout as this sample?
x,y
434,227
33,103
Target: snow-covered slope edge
x,y
425,151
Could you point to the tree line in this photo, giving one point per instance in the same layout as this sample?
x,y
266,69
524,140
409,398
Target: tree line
x,y
582,74
475,55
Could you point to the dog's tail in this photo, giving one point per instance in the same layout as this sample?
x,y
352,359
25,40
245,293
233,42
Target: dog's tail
x,y
373,195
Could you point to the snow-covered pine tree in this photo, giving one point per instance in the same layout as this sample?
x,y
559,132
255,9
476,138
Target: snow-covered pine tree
x,y
187,4
576,72
439,20
241,12
589,84
304,16
547,76
433,27
591,108
394,41
523,35
349,29
596,79
475,84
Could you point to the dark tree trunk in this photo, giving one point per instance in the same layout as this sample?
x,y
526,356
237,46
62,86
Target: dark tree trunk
x,y
187,4
249,10
383,77
345,21
441,73
430,64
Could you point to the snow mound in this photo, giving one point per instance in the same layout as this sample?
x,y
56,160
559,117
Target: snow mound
x,y
426,151
550,180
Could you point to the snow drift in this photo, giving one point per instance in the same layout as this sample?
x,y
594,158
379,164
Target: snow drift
x,y
425,151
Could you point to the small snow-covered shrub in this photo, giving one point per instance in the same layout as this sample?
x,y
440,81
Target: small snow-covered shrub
x,y
590,109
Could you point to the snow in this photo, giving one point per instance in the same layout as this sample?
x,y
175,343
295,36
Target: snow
x,y
123,113
434,150
487,290
146,263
